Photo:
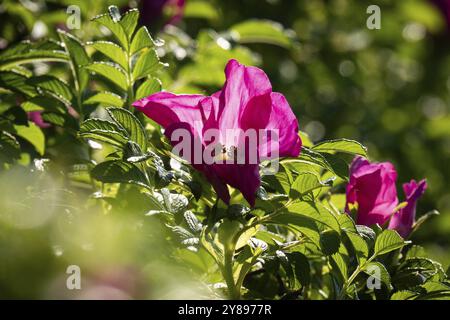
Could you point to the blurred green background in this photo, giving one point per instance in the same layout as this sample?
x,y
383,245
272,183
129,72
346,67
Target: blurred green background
x,y
388,88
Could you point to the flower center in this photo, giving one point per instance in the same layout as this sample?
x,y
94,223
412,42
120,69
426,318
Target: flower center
x,y
227,153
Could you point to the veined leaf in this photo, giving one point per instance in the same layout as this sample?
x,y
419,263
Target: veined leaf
x,y
54,118
131,124
103,131
21,71
33,134
261,31
9,147
341,145
117,171
54,85
316,212
150,86
305,217
105,98
329,242
193,223
112,51
300,267
378,271
129,21
338,260
147,63
31,56
111,21
78,58
43,102
141,40
16,83
404,295
110,71
387,241
359,247
307,182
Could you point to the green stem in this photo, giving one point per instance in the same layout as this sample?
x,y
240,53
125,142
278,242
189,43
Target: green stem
x,y
130,93
353,276
227,271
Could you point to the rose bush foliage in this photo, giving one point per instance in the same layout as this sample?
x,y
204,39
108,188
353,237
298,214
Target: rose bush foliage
x,y
327,225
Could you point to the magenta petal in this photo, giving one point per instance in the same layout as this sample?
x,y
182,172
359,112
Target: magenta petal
x,y
245,102
219,186
36,117
167,108
285,122
372,188
242,84
403,220
245,178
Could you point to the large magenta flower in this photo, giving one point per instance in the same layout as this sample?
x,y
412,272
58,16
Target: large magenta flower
x,y
372,191
404,219
245,103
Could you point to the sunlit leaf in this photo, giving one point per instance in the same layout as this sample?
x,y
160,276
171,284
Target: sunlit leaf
x,y
33,134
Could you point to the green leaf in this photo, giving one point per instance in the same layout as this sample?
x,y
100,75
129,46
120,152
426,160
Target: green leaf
x,y
110,71
54,118
387,241
424,266
16,83
9,147
103,131
78,58
260,31
200,9
305,225
43,102
284,262
33,134
117,171
378,271
105,98
129,21
130,124
148,87
141,40
319,159
147,63
54,85
341,145
307,182
339,262
339,166
31,56
316,212
111,20
415,251
193,223
403,295
359,247
435,290
300,267
112,51
281,182
329,242
305,217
